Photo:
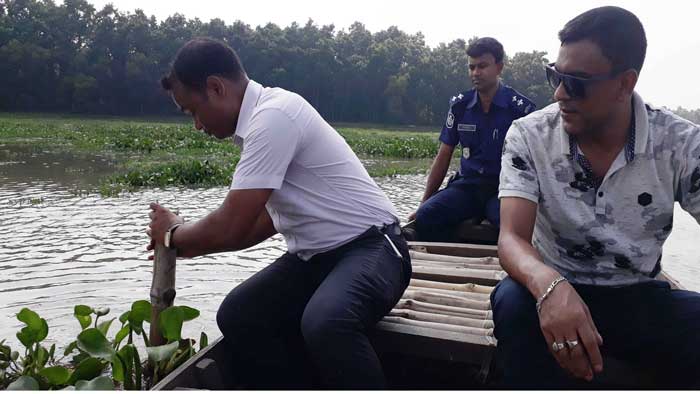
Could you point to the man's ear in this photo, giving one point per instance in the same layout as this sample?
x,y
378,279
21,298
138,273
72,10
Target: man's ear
x,y
628,81
216,86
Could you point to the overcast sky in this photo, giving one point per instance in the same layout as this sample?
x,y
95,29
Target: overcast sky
x,y
671,74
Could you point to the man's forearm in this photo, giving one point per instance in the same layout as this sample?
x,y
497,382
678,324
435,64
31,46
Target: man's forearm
x,y
524,264
437,174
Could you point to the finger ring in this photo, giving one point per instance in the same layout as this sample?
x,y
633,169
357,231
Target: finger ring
x,y
557,346
571,344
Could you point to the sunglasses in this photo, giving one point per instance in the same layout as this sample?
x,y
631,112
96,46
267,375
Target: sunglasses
x,y
575,86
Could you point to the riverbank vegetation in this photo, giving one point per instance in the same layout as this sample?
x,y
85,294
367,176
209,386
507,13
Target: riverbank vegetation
x,y
169,152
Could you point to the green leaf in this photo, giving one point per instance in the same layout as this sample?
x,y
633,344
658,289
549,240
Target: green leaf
x,y
42,356
24,383
118,368
124,317
140,311
56,376
171,320
104,326
72,346
84,321
160,353
27,336
30,318
100,383
82,310
203,341
94,342
190,313
43,331
123,333
52,351
88,369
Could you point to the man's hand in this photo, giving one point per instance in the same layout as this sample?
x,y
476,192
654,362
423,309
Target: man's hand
x,y
412,216
161,220
565,319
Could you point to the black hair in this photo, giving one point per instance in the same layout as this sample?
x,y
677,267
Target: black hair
x,y
200,58
484,45
618,33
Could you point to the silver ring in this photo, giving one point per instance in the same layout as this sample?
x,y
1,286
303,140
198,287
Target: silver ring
x,y
571,344
558,346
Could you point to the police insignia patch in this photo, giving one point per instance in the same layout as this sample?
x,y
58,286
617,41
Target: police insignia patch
x,y
450,120
465,153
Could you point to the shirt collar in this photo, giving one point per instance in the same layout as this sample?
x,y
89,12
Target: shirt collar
x,y
500,98
250,101
641,129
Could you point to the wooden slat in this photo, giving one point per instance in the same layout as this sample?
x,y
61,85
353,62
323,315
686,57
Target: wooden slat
x,y
442,318
446,299
454,249
453,275
448,264
439,326
462,287
417,255
465,295
422,306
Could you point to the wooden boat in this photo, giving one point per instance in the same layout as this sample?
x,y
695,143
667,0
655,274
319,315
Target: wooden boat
x,y
439,336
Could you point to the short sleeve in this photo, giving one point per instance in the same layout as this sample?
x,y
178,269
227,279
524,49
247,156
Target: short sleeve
x,y
449,134
268,149
518,173
688,188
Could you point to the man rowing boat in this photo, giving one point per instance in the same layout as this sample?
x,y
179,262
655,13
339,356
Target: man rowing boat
x,y
346,265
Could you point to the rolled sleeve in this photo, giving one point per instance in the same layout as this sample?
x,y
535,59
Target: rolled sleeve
x,y
267,152
518,174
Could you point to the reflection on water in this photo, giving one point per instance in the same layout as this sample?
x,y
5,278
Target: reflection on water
x,y
58,249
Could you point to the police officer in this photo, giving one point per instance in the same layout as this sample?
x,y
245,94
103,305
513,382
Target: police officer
x,y
477,120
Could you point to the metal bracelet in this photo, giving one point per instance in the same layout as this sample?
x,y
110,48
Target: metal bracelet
x,y
544,296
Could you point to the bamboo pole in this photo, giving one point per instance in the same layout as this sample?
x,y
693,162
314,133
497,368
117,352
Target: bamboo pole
x,y
454,259
447,299
444,319
162,288
462,287
440,326
422,306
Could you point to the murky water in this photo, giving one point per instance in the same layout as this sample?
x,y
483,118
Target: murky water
x,y
58,249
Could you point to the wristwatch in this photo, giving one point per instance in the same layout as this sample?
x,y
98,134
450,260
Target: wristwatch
x,y
168,241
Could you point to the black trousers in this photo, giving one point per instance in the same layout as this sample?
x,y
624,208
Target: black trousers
x,y
298,324
648,325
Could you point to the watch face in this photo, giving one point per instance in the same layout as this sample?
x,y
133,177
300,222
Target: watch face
x,y
166,241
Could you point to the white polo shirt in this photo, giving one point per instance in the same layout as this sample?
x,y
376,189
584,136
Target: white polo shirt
x,y
609,234
323,197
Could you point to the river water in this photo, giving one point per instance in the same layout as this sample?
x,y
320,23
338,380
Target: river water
x,y
59,248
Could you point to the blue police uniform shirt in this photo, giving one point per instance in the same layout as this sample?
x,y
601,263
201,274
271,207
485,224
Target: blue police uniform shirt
x,y
480,134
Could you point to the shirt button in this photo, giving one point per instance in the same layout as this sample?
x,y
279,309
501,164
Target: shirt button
x,y
600,194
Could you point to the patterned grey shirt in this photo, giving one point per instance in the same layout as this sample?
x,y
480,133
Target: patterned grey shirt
x,y
607,232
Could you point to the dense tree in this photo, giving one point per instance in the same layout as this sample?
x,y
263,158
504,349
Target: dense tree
x,y
72,57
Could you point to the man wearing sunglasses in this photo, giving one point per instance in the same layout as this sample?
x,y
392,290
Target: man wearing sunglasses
x,y
587,191
477,120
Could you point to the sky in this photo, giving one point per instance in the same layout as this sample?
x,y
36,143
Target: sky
x,y
671,73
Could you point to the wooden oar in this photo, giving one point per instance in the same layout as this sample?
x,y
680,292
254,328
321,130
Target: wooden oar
x,y
162,288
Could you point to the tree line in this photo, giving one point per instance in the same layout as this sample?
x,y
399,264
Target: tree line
x,y
75,58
